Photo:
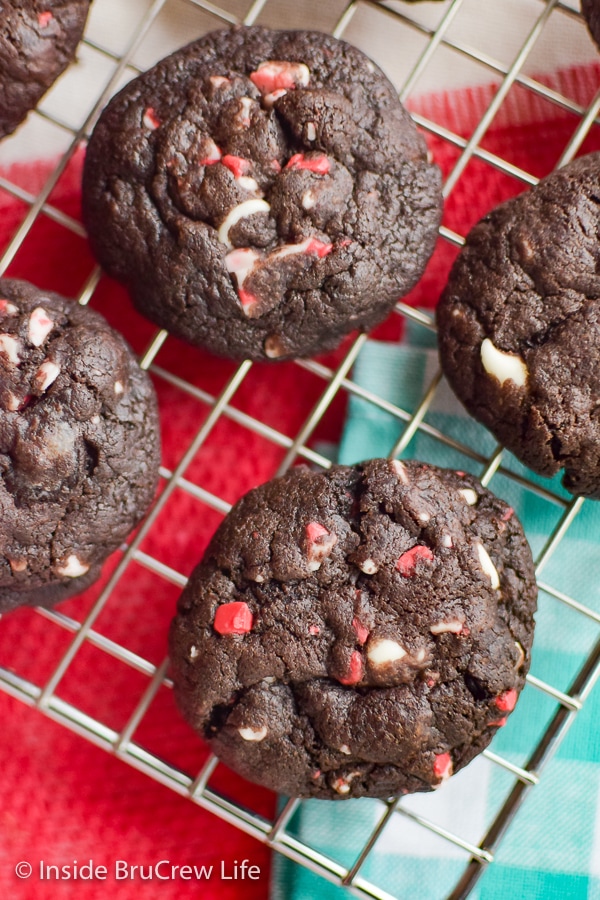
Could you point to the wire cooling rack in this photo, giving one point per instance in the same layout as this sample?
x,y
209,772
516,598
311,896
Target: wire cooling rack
x,y
199,786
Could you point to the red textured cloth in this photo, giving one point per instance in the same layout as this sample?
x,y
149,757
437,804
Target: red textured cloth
x,y
64,799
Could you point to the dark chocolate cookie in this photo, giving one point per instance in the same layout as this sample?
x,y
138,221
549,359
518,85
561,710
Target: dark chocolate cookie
x,y
591,12
38,39
79,445
261,193
362,631
519,325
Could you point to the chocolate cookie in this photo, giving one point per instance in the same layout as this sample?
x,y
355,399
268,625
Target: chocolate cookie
x,y
361,631
591,12
519,325
79,445
38,39
261,193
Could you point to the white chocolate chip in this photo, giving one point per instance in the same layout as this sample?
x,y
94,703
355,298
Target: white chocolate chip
x,y
18,565
420,655
446,541
244,113
424,517
488,566
369,567
503,366
308,200
345,749
7,308
270,679
40,326
253,734
219,81
47,374
451,626
521,658
469,495
382,650
269,99
12,402
341,786
311,131
273,347
11,346
400,470
239,212
119,387
72,567
247,183
194,653
95,420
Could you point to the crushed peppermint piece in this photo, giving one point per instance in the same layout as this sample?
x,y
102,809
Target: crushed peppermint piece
x,y
362,633
442,767
469,495
369,567
274,75
320,543
7,308
241,262
249,302
10,345
355,669
44,18
341,786
40,326
382,651
320,165
311,131
150,120
212,153
46,375
236,164
253,734
506,701
239,212
314,629
407,564
498,723
72,567
503,366
446,541
508,514
233,618
309,246
488,566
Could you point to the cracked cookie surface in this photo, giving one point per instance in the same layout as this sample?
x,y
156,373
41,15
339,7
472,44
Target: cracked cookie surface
x,y
519,325
261,193
358,632
38,39
79,445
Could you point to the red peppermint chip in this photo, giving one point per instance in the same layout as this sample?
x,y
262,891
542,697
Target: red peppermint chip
x,y
355,669
236,164
315,530
407,563
506,701
320,165
507,514
362,633
44,18
498,723
233,618
319,248
442,767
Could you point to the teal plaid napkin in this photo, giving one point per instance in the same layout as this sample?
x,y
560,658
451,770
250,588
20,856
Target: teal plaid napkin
x,y
552,848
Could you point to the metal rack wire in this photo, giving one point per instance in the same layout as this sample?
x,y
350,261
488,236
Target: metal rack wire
x,y
197,785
